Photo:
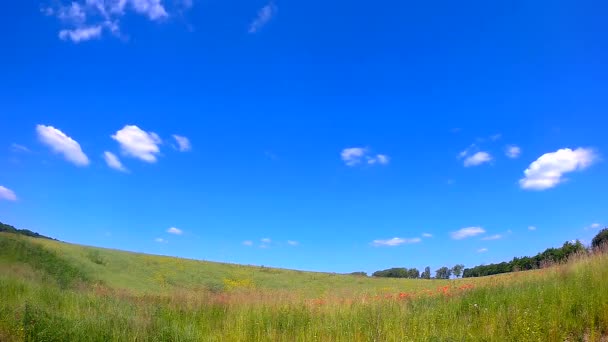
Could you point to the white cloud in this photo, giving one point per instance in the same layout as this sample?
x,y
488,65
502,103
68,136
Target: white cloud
x,y
264,15
595,225
492,237
394,242
183,143
160,240
482,250
467,232
513,151
19,148
137,143
80,34
7,194
547,171
356,155
427,235
175,231
532,228
292,243
266,240
60,143
477,159
87,19
113,161
248,243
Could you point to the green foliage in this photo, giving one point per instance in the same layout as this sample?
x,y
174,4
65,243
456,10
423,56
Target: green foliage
x,y
548,257
26,232
443,273
457,270
360,274
600,239
398,272
426,274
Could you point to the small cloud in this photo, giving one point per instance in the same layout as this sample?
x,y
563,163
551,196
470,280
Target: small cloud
x,y
113,161
467,232
427,235
593,226
175,231
62,144
19,148
248,243
477,159
183,143
495,137
81,34
135,142
263,246
7,194
547,171
264,15
482,250
356,155
492,237
292,243
266,240
160,240
394,242
513,151
531,227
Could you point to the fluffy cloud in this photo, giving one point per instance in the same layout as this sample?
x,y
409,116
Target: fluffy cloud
x,y
113,161
547,171
7,194
183,143
477,159
264,15
394,242
137,143
482,250
60,143
356,155
492,237
467,232
427,235
175,231
513,151
87,19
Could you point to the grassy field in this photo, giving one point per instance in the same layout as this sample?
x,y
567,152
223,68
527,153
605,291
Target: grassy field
x,y
52,291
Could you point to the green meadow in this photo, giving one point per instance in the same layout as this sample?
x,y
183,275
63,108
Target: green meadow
x,y
54,291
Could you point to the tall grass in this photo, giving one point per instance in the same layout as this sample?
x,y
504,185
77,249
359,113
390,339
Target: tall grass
x,y
562,303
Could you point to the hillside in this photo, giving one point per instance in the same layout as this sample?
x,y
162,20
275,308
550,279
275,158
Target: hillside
x,y
53,291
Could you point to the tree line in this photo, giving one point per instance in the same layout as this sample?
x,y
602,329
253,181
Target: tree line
x,y
540,260
10,229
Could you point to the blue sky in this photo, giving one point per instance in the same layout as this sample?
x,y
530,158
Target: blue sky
x,y
341,136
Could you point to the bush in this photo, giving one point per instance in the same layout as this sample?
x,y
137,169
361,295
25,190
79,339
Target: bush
x,y
600,239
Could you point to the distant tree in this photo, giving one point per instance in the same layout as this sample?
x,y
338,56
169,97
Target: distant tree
x,y
360,274
395,272
426,274
457,270
413,273
600,239
443,273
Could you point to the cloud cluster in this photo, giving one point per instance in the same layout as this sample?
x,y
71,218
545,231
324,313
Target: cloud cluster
x,y
88,19
353,156
7,194
473,157
548,170
175,231
62,144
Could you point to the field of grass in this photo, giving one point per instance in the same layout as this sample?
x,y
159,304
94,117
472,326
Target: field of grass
x,y
52,291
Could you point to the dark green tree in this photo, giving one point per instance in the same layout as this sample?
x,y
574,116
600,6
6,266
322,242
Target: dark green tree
x,y
457,270
443,273
600,239
426,274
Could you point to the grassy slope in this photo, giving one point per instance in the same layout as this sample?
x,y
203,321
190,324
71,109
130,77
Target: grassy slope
x,y
59,297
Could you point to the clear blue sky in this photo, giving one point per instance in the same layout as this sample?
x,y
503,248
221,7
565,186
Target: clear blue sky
x,y
344,132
